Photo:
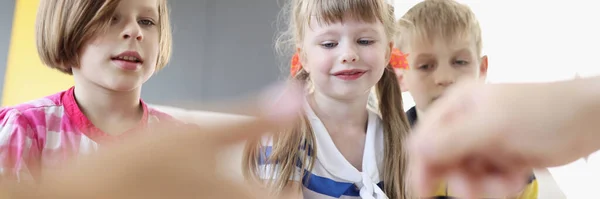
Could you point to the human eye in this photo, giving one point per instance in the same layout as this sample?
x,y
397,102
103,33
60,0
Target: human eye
x,y
461,62
365,42
425,67
146,22
329,45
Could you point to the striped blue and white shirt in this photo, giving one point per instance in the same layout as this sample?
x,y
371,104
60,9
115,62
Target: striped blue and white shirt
x,y
332,175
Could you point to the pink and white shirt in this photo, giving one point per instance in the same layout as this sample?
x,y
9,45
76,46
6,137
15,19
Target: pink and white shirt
x,y
45,133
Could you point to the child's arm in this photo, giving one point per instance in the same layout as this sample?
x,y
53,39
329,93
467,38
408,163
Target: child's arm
x,y
18,148
531,125
177,165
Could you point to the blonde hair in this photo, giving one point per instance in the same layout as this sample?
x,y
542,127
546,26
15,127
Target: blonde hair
x,y
431,19
64,26
300,140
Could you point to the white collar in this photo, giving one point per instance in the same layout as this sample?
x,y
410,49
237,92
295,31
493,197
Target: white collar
x,y
335,163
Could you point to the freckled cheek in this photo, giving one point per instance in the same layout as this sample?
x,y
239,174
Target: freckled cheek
x,y
321,64
468,74
324,69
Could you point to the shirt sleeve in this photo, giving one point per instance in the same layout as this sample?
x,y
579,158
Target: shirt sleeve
x,y
17,156
531,190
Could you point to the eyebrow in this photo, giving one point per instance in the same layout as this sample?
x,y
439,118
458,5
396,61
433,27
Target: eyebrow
x,y
423,56
368,30
331,32
326,33
461,49
465,50
151,10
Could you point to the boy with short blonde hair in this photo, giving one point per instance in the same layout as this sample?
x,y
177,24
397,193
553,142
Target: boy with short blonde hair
x,y
443,43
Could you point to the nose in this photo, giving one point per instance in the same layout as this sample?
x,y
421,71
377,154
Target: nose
x,y
132,30
349,55
444,76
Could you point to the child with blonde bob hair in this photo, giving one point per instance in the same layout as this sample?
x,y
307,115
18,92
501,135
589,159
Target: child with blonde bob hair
x,y
111,47
339,149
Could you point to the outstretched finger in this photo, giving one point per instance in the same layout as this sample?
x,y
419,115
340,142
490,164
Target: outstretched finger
x,y
276,109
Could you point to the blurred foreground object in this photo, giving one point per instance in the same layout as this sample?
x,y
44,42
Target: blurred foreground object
x,y
489,136
173,160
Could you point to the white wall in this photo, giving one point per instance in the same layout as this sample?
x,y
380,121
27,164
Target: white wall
x,y
535,40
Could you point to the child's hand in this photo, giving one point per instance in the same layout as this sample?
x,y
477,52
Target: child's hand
x,y
178,161
489,137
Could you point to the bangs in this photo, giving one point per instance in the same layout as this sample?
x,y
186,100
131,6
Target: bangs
x,y
446,20
419,33
102,17
332,11
450,34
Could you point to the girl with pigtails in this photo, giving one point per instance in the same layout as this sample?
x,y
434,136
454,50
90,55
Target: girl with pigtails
x,y
340,148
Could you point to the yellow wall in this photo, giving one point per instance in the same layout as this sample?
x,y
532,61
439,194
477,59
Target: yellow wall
x,y
26,78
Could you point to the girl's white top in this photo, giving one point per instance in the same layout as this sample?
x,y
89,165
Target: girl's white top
x,y
332,175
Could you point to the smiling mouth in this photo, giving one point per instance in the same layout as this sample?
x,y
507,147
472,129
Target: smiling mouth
x,y
348,75
349,72
128,59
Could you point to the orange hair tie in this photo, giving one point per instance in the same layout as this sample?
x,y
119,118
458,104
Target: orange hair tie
x,y
397,60
296,65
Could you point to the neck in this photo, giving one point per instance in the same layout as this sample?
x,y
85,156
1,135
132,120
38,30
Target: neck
x,y
420,113
104,107
349,113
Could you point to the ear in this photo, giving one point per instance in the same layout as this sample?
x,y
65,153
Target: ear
x,y
483,68
401,81
301,58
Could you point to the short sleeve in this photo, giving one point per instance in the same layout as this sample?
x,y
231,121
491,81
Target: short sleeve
x,y
267,168
17,156
531,190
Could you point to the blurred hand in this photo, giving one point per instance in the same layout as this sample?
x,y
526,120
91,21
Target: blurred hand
x,y
170,161
488,138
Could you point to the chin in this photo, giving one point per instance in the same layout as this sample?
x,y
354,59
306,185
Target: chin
x,y
123,86
123,89
347,96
